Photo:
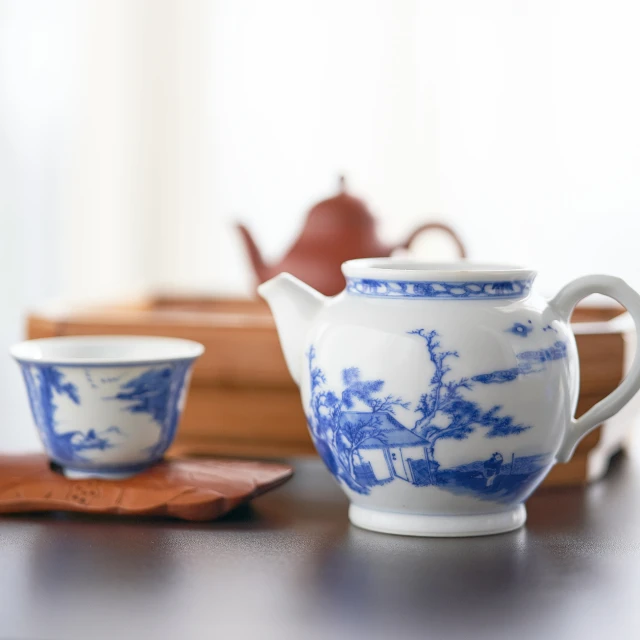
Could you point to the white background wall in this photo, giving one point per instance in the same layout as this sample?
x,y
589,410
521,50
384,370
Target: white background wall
x,y
134,132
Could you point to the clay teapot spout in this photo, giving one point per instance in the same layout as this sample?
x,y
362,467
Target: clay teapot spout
x,y
257,262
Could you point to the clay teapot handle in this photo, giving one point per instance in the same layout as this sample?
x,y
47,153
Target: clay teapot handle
x,y
441,227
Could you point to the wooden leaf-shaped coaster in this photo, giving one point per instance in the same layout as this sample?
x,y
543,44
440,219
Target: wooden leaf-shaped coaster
x,y
189,489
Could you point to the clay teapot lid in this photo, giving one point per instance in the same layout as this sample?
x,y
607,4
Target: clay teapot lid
x,y
338,213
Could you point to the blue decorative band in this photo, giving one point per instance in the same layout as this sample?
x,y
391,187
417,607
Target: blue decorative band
x,y
441,290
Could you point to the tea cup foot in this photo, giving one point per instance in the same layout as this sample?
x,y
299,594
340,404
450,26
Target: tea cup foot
x,y
90,474
408,524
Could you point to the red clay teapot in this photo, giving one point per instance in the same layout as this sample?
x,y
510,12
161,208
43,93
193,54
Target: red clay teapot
x,y
338,229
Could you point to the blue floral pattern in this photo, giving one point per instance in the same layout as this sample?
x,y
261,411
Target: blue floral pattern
x,y
364,445
439,290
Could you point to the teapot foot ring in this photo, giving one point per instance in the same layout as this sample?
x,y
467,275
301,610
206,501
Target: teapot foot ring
x,y
408,524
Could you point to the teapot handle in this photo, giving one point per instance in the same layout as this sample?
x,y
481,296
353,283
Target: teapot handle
x,y
563,303
441,227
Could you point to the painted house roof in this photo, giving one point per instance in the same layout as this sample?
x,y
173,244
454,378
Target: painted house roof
x,y
395,434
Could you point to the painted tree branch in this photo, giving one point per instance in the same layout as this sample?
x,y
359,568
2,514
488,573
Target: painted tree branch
x,y
446,399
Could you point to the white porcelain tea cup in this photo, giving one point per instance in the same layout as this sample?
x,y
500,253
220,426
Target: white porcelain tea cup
x,y
106,406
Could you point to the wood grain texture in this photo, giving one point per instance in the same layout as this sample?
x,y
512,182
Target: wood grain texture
x,y
195,490
241,413
601,362
572,473
202,446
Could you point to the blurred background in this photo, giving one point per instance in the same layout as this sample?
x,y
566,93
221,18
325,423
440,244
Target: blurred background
x,y
135,133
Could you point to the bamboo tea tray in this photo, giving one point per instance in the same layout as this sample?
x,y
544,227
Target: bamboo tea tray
x,y
196,490
243,402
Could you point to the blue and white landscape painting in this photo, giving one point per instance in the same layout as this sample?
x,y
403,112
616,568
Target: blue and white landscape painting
x,y
362,441
88,414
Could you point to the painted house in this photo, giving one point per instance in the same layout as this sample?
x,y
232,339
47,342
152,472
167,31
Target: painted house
x,y
391,458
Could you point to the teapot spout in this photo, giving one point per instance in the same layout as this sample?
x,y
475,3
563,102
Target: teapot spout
x,y
294,304
259,266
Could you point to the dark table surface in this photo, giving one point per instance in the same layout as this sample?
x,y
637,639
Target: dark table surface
x,y
291,566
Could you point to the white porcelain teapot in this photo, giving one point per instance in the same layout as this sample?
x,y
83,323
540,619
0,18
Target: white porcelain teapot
x,y
439,396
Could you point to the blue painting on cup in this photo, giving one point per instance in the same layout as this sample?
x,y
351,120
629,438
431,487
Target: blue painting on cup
x,y
155,391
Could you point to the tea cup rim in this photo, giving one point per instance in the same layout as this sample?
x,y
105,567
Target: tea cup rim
x,y
68,350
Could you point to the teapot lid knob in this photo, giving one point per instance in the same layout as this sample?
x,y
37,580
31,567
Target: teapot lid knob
x,y
342,185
